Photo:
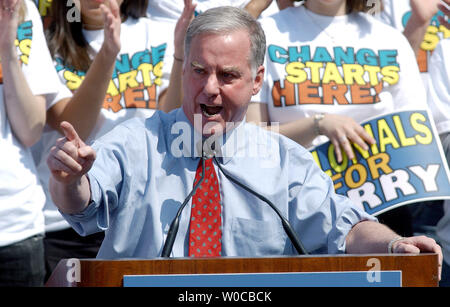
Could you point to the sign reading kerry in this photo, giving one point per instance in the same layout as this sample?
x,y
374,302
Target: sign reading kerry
x,y
405,165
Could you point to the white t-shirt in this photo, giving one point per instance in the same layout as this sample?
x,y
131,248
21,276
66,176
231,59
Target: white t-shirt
x,y
439,86
171,9
352,65
142,72
21,195
397,13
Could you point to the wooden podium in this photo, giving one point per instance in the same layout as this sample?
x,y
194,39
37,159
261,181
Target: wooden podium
x,y
416,270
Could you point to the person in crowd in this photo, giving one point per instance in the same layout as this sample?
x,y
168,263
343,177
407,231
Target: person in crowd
x,y
134,179
82,109
134,87
265,8
27,77
424,24
439,99
317,95
171,10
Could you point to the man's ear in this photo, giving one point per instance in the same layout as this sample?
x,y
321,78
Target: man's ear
x,y
259,79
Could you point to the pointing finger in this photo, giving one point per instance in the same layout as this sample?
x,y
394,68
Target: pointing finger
x,y
70,133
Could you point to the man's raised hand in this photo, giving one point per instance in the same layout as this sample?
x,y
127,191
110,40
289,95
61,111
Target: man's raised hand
x,y
70,158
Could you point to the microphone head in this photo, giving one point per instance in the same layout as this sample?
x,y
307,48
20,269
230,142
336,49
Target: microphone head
x,y
209,155
209,147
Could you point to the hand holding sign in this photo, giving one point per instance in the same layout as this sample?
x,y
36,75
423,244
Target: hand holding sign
x,y
404,165
342,132
70,158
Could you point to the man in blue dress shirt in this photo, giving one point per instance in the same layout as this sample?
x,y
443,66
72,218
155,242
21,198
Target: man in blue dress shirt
x,y
144,169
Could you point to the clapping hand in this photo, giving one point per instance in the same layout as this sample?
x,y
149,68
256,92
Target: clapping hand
x,y
112,24
181,27
9,20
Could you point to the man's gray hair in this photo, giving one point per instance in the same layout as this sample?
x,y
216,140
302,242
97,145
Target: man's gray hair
x,y
226,19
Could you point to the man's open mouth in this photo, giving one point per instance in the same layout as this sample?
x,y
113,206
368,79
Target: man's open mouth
x,y
209,111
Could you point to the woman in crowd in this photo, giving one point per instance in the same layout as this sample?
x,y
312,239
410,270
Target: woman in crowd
x,y
139,81
439,99
27,77
347,67
424,24
171,10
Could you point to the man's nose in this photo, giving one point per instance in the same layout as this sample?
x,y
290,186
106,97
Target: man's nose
x,y
212,85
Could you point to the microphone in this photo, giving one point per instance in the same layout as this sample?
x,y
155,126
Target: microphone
x,y
173,229
286,225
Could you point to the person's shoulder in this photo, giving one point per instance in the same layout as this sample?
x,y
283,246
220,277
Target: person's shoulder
x,y
160,120
281,18
150,32
376,25
129,126
379,31
149,24
134,23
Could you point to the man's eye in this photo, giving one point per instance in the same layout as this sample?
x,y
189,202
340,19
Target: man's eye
x,y
228,76
199,70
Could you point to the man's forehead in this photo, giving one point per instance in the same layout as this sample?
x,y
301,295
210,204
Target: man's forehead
x,y
234,45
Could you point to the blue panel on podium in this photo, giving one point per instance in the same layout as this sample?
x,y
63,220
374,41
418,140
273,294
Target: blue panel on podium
x,y
295,279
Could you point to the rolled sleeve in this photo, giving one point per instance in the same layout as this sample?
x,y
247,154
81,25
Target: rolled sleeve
x,y
349,216
94,218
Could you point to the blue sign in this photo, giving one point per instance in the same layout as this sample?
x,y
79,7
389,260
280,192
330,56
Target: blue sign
x,y
405,165
295,279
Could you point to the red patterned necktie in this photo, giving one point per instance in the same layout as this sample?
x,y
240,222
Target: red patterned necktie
x,y
205,234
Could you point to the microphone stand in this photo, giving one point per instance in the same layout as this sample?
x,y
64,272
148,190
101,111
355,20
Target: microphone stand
x,y
173,229
286,225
